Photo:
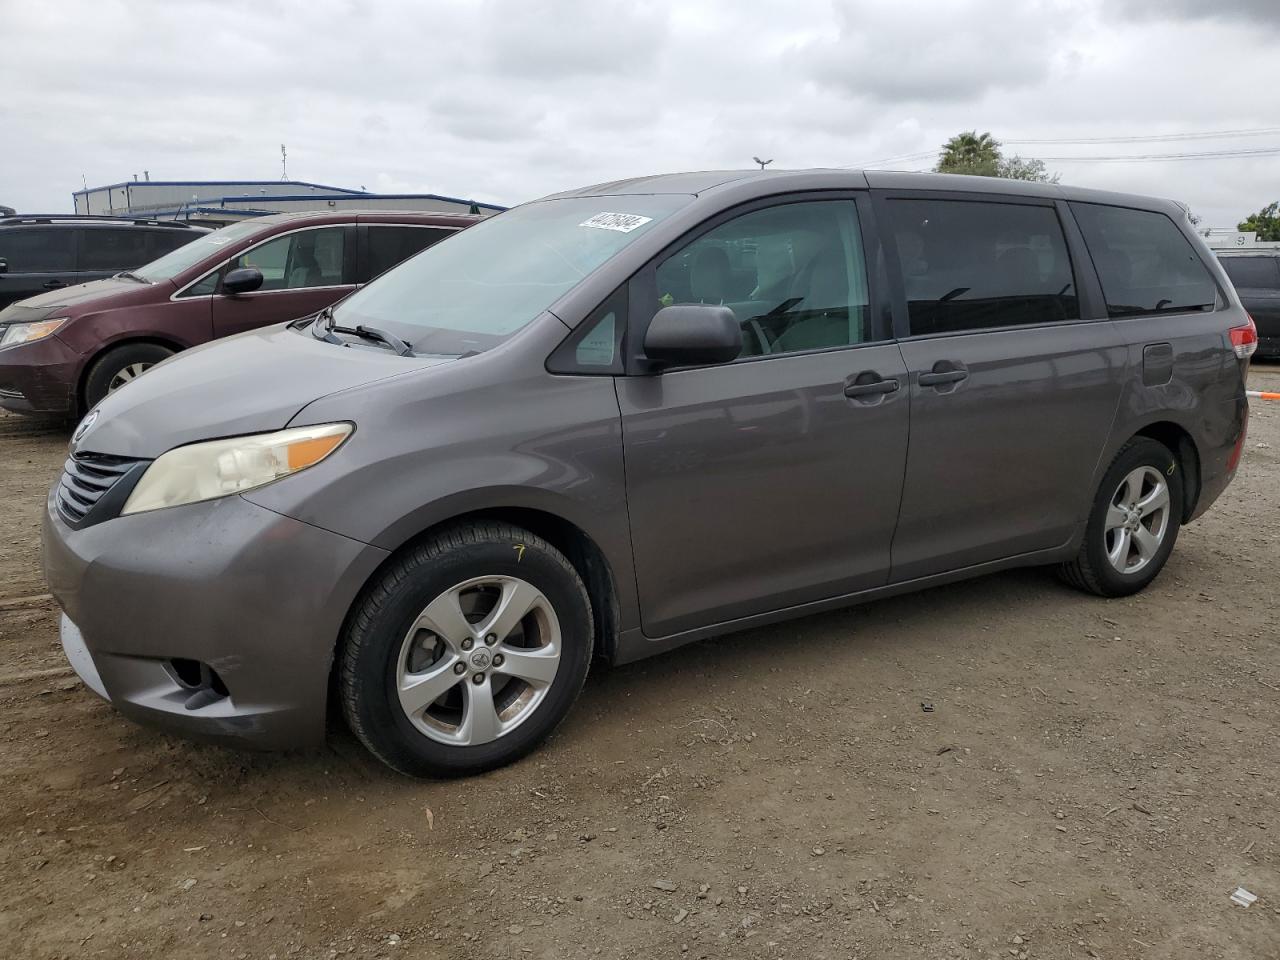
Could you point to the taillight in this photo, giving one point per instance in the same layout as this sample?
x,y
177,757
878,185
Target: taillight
x,y
1244,340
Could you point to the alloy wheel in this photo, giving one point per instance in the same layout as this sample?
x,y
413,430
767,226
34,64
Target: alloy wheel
x,y
478,660
1137,520
127,374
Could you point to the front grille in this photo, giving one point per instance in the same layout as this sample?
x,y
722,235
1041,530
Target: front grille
x,y
87,478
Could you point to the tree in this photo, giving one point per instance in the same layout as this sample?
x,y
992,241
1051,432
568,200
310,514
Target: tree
x,y
1016,168
1266,222
978,155
973,153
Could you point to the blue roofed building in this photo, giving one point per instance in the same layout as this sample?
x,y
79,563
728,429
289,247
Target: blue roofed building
x,y
219,202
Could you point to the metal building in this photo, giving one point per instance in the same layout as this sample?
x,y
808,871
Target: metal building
x,y
219,202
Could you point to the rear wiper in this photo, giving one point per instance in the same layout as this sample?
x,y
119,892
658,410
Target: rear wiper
x,y
130,275
377,336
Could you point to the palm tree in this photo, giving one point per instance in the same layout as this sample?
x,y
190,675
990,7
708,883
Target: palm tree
x,y
970,152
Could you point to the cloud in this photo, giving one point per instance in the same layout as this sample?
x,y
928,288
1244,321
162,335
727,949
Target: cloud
x,y
1263,13
503,102
884,53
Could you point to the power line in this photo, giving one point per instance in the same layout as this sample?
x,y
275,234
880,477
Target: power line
x,y
1158,138
1145,138
1136,158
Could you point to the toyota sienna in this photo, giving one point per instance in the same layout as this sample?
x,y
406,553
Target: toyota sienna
x,y
623,418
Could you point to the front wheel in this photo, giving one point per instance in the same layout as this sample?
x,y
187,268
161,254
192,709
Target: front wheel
x,y
120,366
1134,522
466,652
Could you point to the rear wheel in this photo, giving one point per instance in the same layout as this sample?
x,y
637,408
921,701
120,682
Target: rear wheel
x,y
1134,522
120,366
467,651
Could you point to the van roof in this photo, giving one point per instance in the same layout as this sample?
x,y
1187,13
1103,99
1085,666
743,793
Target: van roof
x,y
772,181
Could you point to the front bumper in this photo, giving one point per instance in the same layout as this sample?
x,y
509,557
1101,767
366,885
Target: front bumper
x,y
39,377
254,596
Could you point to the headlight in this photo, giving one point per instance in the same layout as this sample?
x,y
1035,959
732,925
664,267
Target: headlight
x,y
219,468
17,333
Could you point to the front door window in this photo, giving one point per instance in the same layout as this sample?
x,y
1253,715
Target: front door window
x,y
792,274
295,261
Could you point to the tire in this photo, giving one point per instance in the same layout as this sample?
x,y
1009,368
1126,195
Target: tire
x,y
1134,477
404,635
118,366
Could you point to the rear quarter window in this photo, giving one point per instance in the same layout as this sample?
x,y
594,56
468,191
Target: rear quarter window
x,y
1145,263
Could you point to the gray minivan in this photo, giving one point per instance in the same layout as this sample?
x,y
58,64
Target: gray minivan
x,y
620,419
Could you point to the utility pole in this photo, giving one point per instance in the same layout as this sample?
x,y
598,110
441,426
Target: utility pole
x,y
284,163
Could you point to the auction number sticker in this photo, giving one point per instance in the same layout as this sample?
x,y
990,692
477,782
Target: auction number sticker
x,y
622,222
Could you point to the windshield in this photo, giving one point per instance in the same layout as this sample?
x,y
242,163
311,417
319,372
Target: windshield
x,y
187,256
474,290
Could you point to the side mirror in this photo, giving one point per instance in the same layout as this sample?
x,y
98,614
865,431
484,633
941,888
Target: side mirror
x,y
692,334
243,280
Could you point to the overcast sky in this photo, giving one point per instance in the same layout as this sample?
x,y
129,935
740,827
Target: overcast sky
x,y
506,101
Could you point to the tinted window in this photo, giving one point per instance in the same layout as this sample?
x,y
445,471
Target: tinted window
x,y
161,242
793,275
113,248
1254,272
388,246
308,258
37,250
972,265
1145,263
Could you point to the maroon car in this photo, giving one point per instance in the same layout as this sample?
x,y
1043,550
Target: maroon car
x,y
63,351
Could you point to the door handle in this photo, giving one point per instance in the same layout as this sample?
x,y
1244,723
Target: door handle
x,y
870,389
941,378
54,284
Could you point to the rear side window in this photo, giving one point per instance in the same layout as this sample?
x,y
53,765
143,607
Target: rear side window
x,y
112,248
976,265
161,242
36,250
388,246
1259,273
1145,263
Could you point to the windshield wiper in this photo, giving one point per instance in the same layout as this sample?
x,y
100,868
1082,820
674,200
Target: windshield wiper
x,y
130,275
401,347
325,329
377,336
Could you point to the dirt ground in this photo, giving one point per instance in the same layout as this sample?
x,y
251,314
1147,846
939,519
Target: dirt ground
x,y
1094,780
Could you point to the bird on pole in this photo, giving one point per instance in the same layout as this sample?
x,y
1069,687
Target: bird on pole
x,y
763,163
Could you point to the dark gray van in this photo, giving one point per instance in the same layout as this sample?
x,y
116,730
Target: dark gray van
x,y
1256,276
620,419
50,252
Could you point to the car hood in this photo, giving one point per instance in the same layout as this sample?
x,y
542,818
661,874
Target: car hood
x,y
85,297
251,383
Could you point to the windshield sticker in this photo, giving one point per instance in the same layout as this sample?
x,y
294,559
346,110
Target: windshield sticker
x,y
621,222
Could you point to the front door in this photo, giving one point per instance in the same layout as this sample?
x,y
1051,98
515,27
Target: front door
x,y
773,480
1012,394
303,271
